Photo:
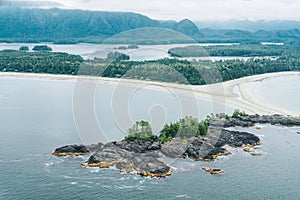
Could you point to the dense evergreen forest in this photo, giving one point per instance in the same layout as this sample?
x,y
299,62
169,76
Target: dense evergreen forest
x,y
203,71
118,65
232,50
188,72
39,62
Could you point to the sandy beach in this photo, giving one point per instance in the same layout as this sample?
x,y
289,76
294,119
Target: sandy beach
x,y
238,93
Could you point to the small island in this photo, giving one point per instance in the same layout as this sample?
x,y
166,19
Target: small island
x,y
142,151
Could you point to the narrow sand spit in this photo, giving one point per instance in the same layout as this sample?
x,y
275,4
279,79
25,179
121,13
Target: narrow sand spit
x,y
238,93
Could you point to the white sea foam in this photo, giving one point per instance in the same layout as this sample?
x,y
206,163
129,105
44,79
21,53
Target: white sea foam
x,y
183,196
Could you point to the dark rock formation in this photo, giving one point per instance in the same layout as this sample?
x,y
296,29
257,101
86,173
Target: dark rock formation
x,y
144,157
71,150
251,120
256,154
213,171
76,150
176,148
145,164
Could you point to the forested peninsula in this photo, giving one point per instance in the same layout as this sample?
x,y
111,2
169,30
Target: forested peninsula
x,y
263,59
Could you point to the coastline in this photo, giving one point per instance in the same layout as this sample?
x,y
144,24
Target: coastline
x,y
237,93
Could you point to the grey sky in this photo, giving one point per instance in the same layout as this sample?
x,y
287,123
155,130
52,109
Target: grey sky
x,y
198,10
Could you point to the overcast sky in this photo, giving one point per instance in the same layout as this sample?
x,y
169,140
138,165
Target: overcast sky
x,y
197,10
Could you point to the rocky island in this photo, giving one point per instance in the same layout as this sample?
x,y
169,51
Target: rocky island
x,y
144,152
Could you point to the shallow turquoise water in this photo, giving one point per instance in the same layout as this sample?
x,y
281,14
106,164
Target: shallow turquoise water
x,y
37,116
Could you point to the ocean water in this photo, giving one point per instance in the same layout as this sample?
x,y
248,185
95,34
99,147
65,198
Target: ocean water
x,y
282,92
144,52
38,115
90,51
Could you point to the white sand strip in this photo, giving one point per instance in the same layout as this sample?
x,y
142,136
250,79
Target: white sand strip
x,y
238,93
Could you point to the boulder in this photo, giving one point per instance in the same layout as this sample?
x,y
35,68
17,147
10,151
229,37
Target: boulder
x,y
256,154
212,170
71,150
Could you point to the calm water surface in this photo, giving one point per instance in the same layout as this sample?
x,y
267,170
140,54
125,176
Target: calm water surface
x,y
37,116
90,51
282,92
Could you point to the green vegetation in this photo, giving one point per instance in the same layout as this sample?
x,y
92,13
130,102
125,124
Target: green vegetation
x,y
185,142
42,48
122,48
39,62
132,46
24,48
117,65
188,127
239,114
150,36
185,127
117,56
232,50
169,132
75,26
223,116
203,128
206,72
140,131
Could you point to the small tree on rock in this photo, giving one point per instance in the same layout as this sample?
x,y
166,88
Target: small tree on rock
x,y
141,130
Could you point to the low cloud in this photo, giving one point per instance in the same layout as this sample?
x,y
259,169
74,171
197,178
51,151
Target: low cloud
x,y
202,10
198,10
29,4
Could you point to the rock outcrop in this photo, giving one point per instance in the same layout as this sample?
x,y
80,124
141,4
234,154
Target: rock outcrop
x,y
71,150
256,154
251,120
212,170
145,158
76,150
128,158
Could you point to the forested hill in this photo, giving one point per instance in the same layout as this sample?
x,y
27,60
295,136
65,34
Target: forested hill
x,y
74,26
57,25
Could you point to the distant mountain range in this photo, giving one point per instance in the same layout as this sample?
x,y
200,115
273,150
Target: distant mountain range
x,y
73,26
80,26
247,25
240,36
